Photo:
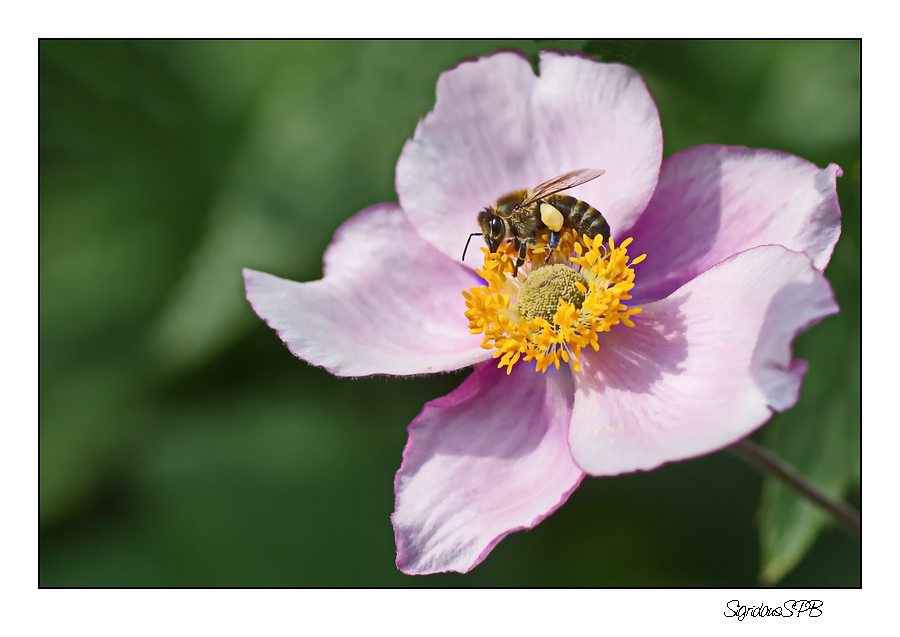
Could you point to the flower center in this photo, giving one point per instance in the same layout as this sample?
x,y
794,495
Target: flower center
x,y
549,312
546,287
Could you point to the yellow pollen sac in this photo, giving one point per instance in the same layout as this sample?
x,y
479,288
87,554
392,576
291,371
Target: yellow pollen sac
x,y
549,313
551,217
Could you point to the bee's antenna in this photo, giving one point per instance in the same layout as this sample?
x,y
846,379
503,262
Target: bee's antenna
x,y
467,244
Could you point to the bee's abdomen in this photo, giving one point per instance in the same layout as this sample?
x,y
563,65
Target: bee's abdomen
x,y
580,216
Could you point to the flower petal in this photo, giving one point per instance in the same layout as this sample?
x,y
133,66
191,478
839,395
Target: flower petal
x,y
496,127
702,368
389,303
715,201
486,460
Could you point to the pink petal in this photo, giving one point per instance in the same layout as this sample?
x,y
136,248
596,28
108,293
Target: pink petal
x,y
702,368
486,460
389,303
496,127
715,201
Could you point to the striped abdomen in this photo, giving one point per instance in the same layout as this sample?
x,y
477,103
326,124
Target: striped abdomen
x,y
579,215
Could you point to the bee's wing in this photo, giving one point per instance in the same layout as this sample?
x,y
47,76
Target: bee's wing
x,y
563,182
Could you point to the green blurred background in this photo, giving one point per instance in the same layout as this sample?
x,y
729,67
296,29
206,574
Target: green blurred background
x,y
181,444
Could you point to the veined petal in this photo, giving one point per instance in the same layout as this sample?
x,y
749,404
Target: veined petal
x,y
715,201
702,368
389,303
488,459
496,127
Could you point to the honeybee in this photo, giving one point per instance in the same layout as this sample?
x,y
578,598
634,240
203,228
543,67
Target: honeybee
x,y
521,215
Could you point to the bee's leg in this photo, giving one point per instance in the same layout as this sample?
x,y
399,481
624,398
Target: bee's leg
x,y
552,244
523,252
519,246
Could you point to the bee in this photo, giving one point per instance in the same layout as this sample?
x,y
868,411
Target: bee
x,y
522,214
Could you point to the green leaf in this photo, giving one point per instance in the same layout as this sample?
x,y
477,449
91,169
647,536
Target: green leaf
x,y
622,51
811,100
86,419
820,436
124,161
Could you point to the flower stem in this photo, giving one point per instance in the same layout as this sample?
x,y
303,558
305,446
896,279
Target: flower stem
x,y
845,515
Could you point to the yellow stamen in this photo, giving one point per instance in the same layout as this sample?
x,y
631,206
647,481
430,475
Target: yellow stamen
x,y
585,279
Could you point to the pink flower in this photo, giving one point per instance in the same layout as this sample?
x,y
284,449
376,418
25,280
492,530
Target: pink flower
x,y
736,240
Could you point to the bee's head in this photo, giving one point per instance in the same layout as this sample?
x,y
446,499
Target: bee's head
x,y
493,229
